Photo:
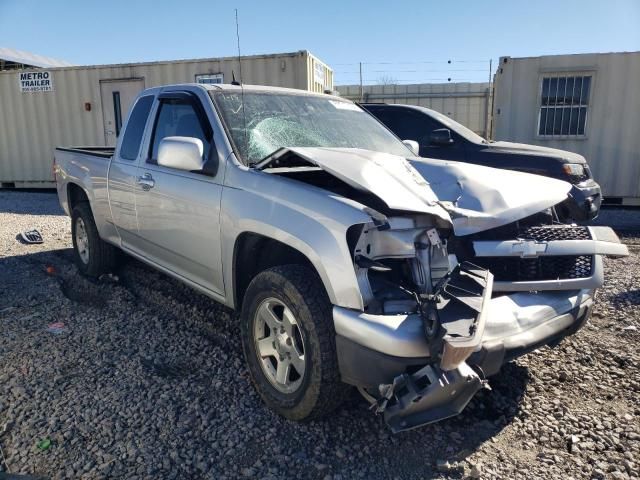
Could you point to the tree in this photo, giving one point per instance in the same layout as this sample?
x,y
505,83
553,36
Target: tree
x,y
387,80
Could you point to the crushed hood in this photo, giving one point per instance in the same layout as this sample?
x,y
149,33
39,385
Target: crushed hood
x,y
480,198
472,198
535,150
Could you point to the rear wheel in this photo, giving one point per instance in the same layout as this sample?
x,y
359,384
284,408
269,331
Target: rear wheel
x,y
92,255
289,343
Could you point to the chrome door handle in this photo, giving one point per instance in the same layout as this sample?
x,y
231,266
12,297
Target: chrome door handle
x,y
146,182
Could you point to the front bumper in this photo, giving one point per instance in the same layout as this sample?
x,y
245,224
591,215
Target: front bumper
x,y
379,352
395,342
585,200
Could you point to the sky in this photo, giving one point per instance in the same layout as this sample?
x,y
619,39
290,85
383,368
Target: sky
x,y
407,41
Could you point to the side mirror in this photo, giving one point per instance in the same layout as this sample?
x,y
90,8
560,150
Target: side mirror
x,y
182,153
441,137
413,146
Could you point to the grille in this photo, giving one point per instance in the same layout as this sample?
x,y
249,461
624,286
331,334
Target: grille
x,y
550,233
513,269
541,233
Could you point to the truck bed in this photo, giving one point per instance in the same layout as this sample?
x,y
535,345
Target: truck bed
x,y
105,152
87,166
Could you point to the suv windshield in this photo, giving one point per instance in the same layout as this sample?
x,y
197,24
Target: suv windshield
x,y
277,120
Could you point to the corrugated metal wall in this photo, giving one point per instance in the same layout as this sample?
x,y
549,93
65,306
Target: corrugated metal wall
x,y
467,103
611,143
319,75
33,124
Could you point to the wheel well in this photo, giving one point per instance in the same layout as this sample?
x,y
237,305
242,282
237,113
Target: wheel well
x,y
254,253
75,195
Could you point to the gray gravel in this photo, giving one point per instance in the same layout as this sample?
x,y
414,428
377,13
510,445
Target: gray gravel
x,y
147,380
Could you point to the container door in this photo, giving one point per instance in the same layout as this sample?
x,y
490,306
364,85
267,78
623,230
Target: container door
x,y
117,98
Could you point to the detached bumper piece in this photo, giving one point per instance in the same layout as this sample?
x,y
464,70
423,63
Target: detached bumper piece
x,y
462,312
434,393
427,396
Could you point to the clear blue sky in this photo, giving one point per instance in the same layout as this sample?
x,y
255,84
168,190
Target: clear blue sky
x,y
409,41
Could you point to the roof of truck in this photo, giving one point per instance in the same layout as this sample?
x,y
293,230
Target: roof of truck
x,y
262,88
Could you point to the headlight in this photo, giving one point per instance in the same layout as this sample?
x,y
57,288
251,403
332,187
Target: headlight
x,y
573,169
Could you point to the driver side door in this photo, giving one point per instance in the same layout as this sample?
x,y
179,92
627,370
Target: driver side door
x,y
179,211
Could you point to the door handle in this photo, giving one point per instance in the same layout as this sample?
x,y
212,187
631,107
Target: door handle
x,y
146,182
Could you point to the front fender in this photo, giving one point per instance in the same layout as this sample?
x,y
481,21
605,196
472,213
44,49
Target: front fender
x,y
307,219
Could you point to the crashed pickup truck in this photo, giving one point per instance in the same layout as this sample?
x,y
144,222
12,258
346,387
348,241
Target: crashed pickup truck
x,y
351,261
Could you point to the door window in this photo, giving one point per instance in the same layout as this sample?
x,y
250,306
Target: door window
x,y
178,117
135,128
407,124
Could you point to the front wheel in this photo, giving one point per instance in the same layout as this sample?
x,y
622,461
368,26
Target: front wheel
x,y
289,343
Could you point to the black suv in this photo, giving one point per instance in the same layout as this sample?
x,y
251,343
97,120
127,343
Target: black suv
x,y
439,136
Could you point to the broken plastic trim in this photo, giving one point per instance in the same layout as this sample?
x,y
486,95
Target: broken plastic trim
x,y
462,308
427,396
31,236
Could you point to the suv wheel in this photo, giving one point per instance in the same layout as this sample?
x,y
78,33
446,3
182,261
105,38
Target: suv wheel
x,y
289,343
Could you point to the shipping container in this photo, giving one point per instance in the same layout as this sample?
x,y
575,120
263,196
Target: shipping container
x,y
41,108
584,103
466,103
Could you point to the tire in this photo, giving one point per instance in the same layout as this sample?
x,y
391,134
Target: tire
x,y
319,390
92,255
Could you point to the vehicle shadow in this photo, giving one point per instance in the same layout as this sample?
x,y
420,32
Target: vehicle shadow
x,y
624,299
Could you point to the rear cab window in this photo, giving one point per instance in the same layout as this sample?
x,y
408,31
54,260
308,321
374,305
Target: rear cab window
x,y
134,131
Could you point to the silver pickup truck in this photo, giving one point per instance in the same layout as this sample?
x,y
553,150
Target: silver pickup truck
x,y
351,261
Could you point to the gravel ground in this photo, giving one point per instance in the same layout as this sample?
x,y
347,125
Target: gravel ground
x,y
146,380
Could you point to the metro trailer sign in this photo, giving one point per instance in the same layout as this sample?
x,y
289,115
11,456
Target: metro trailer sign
x,y
36,82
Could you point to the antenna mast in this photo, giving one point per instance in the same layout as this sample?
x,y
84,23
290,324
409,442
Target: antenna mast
x,y
244,115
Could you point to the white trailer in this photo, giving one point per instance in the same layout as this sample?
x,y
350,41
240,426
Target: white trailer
x,y
587,103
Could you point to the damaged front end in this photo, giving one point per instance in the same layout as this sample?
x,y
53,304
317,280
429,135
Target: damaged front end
x,y
459,270
442,312
454,317
405,272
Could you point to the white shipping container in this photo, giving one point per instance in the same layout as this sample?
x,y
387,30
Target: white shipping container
x,y
586,103
44,108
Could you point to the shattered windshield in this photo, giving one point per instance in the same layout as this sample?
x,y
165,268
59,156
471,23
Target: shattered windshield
x,y
277,120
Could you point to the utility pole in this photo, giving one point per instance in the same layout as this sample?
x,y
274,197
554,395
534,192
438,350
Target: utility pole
x,y
361,89
490,95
